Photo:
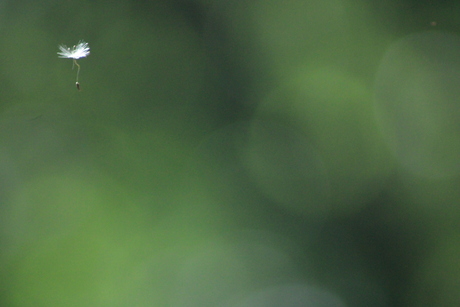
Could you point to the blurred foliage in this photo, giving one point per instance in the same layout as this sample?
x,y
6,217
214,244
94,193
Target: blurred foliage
x,y
230,153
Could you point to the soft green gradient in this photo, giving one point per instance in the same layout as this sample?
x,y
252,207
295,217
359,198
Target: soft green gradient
x,y
229,153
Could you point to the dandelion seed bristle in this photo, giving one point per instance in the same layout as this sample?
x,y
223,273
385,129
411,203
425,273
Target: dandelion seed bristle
x,y
81,50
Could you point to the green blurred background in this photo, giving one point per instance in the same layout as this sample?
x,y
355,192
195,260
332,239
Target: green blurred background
x,y
230,153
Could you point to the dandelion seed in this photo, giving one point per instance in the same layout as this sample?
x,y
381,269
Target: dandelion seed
x,y
81,50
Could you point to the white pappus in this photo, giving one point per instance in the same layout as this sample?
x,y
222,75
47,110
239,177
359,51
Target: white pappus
x,y
78,51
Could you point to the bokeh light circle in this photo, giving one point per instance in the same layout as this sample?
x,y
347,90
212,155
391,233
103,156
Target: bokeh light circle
x,y
417,104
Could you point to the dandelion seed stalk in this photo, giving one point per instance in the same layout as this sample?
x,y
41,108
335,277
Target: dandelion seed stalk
x,y
78,69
